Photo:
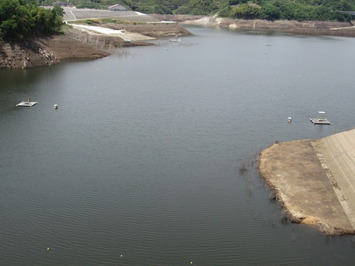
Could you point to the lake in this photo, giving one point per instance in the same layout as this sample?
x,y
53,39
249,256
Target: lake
x,y
140,164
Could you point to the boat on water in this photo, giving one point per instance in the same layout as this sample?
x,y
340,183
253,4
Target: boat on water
x,y
289,119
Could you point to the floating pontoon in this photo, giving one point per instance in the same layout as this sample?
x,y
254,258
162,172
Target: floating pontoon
x,y
26,104
320,121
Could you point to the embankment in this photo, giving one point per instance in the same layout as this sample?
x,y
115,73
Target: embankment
x,y
314,180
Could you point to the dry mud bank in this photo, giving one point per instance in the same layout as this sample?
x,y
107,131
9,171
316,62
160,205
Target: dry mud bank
x,y
314,180
45,51
154,30
329,28
75,44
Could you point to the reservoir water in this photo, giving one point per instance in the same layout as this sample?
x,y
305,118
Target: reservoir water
x,y
141,163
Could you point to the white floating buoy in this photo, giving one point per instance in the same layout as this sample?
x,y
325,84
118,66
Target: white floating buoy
x,y
48,248
55,107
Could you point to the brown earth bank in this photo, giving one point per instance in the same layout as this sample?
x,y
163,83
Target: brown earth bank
x,y
76,44
325,28
45,51
313,180
156,30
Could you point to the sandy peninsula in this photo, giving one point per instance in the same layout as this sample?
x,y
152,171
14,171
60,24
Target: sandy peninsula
x,y
315,180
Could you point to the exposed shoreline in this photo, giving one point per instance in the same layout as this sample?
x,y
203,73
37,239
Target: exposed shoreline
x,y
45,51
313,181
80,44
83,43
313,28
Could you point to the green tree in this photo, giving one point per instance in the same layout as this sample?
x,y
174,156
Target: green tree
x,y
19,19
237,2
271,12
198,7
246,11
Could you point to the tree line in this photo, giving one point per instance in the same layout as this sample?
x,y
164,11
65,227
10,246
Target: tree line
x,y
25,18
20,19
301,10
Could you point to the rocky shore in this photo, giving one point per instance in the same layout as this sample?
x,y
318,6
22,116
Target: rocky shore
x,y
45,51
78,44
313,180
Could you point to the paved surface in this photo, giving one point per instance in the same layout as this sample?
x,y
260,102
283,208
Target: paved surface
x,y
127,36
71,14
314,179
337,155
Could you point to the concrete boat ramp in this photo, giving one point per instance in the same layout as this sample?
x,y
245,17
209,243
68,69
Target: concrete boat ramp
x,y
315,180
126,36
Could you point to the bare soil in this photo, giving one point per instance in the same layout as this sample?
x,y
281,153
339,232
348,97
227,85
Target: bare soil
x,y
75,44
156,30
307,183
45,51
324,28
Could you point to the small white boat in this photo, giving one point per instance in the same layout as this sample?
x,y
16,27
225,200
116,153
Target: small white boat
x,y
55,107
289,119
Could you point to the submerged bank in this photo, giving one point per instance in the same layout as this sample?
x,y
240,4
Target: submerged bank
x,y
313,179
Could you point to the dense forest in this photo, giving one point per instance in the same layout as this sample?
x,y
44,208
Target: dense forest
x,y
20,19
301,10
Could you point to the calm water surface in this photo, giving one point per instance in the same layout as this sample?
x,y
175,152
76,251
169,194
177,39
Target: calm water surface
x,y
140,163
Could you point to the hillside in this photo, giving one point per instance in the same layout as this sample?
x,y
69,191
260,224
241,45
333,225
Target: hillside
x,y
301,10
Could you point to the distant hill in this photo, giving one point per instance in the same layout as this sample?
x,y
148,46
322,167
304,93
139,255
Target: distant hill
x,y
302,10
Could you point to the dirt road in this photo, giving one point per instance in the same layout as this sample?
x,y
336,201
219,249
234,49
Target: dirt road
x,y
315,180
